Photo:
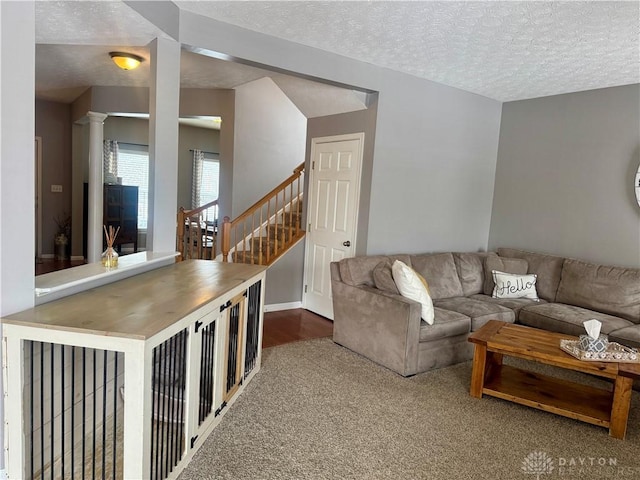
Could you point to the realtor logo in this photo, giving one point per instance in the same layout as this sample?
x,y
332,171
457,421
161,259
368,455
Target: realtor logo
x,y
537,463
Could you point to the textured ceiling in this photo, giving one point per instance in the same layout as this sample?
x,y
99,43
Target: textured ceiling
x,y
73,41
313,99
63,72
92,23
503,50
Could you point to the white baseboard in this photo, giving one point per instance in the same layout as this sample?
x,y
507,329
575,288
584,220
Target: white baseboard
x,y
76,257
277,307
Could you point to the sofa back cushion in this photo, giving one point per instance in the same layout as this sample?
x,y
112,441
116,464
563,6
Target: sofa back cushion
x,y
439,270
517,266
383,277
470,267
612,290
548,268
359,270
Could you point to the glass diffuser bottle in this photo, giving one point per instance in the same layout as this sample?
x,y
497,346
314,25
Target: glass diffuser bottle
x,y
110,256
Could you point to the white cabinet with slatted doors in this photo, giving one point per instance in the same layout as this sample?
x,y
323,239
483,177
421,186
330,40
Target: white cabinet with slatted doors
x,y
128,379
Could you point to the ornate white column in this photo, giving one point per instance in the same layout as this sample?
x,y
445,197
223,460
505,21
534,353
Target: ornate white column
x,y
94,227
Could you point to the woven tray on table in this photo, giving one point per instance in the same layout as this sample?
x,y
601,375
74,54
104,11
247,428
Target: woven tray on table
x,y
614,352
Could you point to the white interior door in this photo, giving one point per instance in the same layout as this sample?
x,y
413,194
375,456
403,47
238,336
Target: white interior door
x,y
332,214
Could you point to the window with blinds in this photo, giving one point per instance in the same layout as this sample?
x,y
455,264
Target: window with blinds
x,y
210,182
133,167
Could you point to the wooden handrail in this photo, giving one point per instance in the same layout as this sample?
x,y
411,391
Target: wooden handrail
x,y
196,244
195,211
249,211
259,235
269,214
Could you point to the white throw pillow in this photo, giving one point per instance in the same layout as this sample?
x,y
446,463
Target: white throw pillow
x,y
412,286
510,285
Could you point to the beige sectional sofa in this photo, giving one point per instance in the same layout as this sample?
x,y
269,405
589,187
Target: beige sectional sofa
x,y
373,319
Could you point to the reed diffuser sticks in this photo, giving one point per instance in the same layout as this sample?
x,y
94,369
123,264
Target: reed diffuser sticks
x,y
110,256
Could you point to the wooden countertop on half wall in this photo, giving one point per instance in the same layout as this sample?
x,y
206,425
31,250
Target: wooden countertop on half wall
x,y
140,306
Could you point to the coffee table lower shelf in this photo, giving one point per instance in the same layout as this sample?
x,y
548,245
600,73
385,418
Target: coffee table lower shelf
x,y
496,340
550,394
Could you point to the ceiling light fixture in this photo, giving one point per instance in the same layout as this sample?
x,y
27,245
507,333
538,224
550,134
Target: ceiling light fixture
x,y
126,61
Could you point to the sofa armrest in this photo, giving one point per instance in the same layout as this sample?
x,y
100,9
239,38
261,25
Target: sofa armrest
x,y
381,326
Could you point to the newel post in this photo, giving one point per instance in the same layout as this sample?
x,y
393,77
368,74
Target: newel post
x,y
180,236
226,238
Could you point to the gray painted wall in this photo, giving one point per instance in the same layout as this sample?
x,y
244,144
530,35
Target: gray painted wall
x,y
435,149
53,124
564,180
352,122
136,131
192,138
219,102
285,277
119,99
270,142
434,167
270,135
127,130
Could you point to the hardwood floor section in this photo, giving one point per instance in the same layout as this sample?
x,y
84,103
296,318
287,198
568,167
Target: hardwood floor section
x,y
294,325
279,327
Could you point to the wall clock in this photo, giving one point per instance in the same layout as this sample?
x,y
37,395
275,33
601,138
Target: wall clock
x,y
637,185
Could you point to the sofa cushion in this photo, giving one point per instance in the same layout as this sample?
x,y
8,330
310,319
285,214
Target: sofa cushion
x,y
470,267
383,278
439,270
446,324
502,264
629,336
515,304
356,271
479,312
510,285
412,286
613,290
562,318
547,267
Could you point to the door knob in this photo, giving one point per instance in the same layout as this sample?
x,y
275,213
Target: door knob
x,y
347,243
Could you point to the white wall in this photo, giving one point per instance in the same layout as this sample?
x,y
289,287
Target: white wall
x,y
564,181
17,244
270,138
164,105
17,127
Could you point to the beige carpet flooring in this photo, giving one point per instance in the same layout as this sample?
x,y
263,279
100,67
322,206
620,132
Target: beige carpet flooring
x,y
318,411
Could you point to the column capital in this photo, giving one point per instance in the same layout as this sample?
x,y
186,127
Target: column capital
x,y
96,117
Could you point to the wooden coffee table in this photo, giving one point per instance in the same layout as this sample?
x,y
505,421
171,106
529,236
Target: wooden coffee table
x,y
609,409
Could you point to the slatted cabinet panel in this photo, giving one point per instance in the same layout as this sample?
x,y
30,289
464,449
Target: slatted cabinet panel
x,y
254,327
168,404
73,411
136,402
235,321
226,354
